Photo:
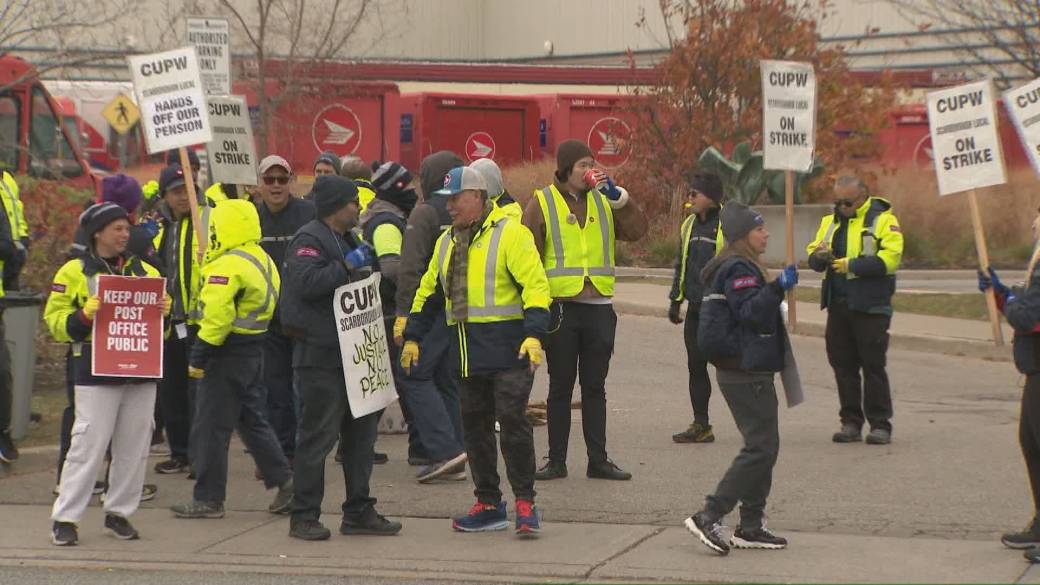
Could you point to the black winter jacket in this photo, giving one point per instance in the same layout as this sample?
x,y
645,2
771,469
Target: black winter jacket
x,y
1024,316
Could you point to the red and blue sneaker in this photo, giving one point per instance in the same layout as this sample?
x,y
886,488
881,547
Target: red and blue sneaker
x,y
528,520
482,518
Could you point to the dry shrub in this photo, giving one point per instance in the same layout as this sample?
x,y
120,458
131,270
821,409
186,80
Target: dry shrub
x,y
938,230
521,180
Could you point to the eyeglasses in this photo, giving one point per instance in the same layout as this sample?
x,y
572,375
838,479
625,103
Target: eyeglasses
x,y
837,202
272,180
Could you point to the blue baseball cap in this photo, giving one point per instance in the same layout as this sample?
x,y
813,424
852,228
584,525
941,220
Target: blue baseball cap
x,y
461,179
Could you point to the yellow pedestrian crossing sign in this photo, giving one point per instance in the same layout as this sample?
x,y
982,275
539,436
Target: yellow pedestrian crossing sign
x,y
121,113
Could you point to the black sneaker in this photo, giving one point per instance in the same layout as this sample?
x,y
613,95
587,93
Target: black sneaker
x,y
551,470
8,452
148,492
849,433
172,465
120,527
194,509
696,433
607,470
281,502
1028,538
308,529
370,523
879,437
379,458
708,531
1032,555
757,538
64,534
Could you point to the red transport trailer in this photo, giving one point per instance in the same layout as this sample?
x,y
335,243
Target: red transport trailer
x,y
503,128
598,120
348,118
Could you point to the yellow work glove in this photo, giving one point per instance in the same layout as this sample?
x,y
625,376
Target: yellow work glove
x,y
150,189
840,265
399,325
532,348
90,308
409,355
196,373
167,305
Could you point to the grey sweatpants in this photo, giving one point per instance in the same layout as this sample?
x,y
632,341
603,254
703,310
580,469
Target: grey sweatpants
x,y
750,476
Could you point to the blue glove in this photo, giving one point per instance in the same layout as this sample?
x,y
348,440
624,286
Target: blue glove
x,y
991,280
610,190
151,226
788,278
359,257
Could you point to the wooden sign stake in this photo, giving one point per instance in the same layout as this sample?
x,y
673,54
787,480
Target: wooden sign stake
x,y
980,246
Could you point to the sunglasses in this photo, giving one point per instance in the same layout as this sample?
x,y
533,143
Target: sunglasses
x,y
844,202
273,180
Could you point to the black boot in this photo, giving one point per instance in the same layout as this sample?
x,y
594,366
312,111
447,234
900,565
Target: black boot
x,y
551,470
607,470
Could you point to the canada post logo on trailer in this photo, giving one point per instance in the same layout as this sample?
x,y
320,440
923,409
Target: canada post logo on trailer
x,y
480,145
337,128
608,139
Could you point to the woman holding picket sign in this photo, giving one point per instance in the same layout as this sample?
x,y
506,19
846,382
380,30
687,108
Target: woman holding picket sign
x,y
742,333
108,410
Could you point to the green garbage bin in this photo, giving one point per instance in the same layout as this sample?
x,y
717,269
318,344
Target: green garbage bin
x,y
21,320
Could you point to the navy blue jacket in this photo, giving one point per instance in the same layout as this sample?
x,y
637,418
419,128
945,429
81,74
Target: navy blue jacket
x,y
1024,316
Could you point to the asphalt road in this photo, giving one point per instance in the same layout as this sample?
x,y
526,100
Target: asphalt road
x,y
953,470
45,576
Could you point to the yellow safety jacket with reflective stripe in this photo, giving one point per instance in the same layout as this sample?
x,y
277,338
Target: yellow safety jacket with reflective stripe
x,y
174,262
882,237
685,235
365,195
572,252
15,210
240,281
501,255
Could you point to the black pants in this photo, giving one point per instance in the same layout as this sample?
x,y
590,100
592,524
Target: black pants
x,y
700,383
1029,434
230,398
499,396
858,342
281,395
176,395
579,349
325,418
749,478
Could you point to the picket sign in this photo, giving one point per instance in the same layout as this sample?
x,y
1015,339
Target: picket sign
x,y
127,332
367,369
1023,106
966,147
232,153
789,136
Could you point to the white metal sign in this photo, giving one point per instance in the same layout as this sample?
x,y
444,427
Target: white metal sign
x,y
232,153
211,38
363,346
169,93
1023,104
965,142
788,115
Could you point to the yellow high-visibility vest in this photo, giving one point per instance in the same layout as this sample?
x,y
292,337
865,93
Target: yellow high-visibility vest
x,y
572,252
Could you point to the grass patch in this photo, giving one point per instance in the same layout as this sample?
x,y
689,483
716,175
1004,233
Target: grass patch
x,y
961,306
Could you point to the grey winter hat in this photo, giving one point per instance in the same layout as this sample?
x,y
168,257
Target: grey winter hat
x,y
492,174
738,220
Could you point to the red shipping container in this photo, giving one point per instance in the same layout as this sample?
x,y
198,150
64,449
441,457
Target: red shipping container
x,y
472,126
598,120
348,118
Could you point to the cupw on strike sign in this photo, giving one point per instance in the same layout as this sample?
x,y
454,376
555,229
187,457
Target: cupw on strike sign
x,y
127,337
966,145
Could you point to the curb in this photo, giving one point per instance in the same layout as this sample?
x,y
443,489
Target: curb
x,y
982,350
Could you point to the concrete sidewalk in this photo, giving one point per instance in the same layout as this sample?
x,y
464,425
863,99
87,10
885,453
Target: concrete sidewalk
x,y
427,549
913,332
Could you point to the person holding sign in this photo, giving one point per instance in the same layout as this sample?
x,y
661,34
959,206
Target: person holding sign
x,y
859,248
1021,308
700,240
178,250
325,255
576,222
237,301
487,275
109,410
741,331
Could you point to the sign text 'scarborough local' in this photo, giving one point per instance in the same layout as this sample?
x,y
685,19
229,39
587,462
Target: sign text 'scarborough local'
x,y
212,40
480,145
363,346
337,128
127,335
169,93
232,153
965,142
789,115
608,139
1023,104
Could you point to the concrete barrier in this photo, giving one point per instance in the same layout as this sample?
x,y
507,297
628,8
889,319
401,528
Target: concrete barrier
x,y
806,221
